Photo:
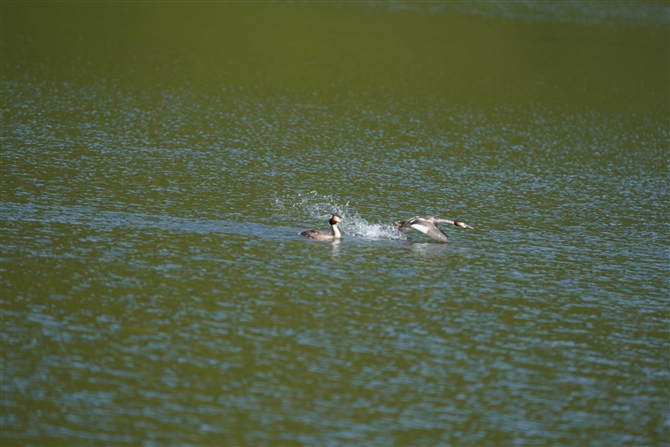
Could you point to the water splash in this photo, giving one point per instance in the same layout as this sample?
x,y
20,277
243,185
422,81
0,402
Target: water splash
x,y
358,226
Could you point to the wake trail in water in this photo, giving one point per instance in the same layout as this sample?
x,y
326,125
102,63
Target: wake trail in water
x,y
107,220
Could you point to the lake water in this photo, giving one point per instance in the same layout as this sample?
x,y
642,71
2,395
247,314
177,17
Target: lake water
x,y
159,160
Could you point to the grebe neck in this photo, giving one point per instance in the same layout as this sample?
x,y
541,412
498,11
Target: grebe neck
x,y
336,231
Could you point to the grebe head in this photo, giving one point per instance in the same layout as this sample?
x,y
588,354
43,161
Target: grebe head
x,y
458,223
335,219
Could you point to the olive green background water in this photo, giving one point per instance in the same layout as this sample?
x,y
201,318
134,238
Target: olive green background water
x,y
159,159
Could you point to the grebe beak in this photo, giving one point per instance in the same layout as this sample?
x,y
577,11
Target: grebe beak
x,y
458,223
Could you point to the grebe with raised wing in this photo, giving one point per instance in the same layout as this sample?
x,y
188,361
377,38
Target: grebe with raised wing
x,y
427,225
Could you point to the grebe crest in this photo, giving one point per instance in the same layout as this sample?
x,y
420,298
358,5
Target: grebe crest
x,y
321,235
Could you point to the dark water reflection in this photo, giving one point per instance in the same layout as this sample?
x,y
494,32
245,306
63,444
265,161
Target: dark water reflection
x,y
154,288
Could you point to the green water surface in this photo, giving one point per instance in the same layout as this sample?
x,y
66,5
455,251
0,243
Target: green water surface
x,y
159,159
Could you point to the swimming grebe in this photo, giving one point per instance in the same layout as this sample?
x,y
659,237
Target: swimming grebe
x,y
426,225
325,235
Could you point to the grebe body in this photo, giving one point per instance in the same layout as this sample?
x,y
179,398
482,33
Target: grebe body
x,y
427,225
332,235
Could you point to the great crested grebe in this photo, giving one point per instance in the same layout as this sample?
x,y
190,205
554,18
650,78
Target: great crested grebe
x,y
325,235
427,225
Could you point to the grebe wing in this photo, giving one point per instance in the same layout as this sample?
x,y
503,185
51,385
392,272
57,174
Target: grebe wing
x,y
431,231
406,223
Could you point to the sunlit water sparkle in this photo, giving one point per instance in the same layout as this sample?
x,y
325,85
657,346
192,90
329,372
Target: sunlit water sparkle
x,y
154,286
